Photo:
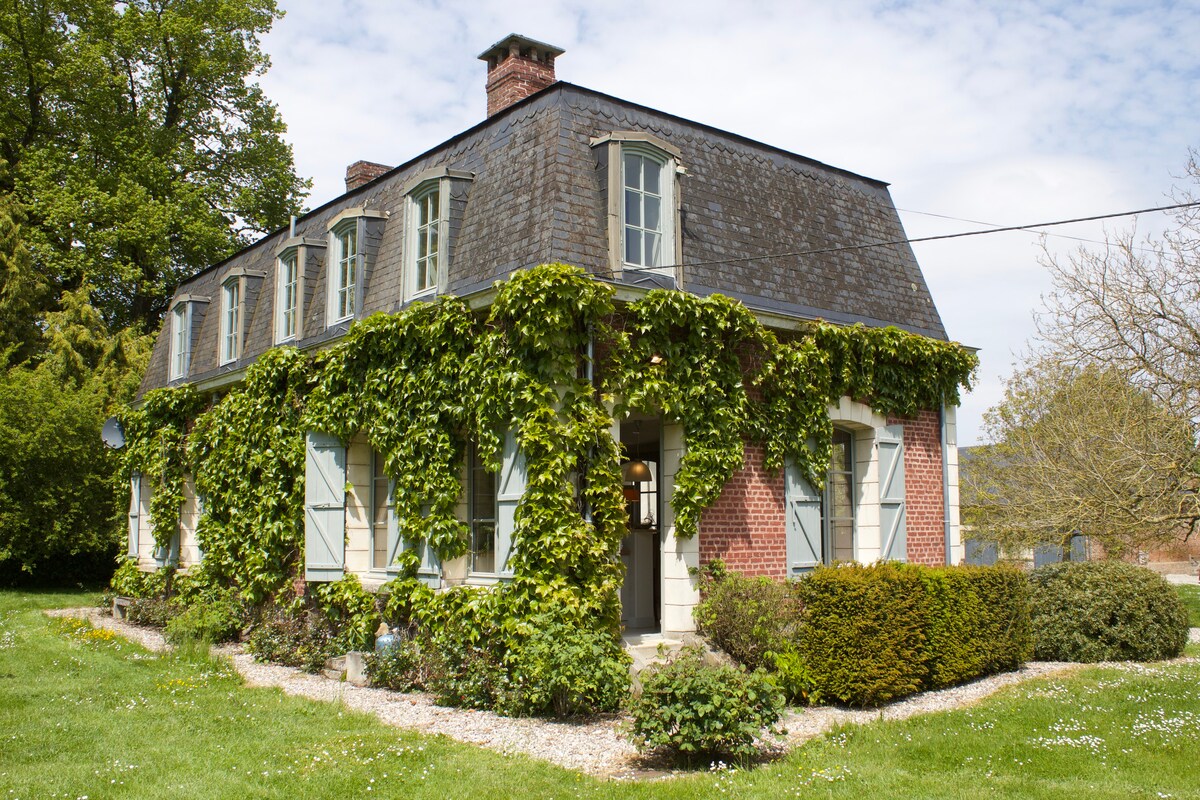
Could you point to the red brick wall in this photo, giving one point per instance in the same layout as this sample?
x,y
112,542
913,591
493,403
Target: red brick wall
x,y
924,499
514,79
745,526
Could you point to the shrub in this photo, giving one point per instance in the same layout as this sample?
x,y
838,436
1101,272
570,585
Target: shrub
x,y
692,710
154,611
789,672
565,670
466,670
295,638
862,632
977,622
211,620
402,667
747,618
1105,611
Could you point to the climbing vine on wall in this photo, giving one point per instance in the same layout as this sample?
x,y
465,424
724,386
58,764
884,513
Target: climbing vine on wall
x,y
156,434
247,454
421,384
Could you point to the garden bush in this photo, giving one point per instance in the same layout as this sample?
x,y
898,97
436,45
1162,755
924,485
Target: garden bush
x,y
747,618
402,667
155,611
301,638
861,635
977,622
466,670
697,712
209,620
565,669
1105,611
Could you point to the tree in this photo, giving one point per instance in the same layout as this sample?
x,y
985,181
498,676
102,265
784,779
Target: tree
x,y
136,140
1083,450
1098,432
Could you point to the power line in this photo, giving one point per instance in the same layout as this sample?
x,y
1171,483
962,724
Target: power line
x,y
1005,229
1044,233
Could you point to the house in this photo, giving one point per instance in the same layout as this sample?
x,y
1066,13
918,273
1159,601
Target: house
x,y
637,198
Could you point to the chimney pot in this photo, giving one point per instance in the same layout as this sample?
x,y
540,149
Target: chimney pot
x,y
517,67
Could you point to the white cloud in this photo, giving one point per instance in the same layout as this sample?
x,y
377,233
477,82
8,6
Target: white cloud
x,y
1008,112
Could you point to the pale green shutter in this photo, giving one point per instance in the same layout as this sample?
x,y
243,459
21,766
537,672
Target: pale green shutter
x,y
324,507
135,511
510,485
805,548
892,527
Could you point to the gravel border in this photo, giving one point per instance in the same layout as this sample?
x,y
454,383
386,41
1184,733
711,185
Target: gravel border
x,y
594,746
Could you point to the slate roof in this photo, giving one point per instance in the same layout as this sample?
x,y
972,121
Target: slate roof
x,y
538,195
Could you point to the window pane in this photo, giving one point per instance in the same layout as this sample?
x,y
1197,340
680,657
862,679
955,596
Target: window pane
x,y
483,547
653,245
433,240
841,458
840,495
633,208
652,171
652,205
633,246
633,171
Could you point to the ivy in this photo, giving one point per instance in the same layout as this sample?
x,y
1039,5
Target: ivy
x,y
422,384
156,435
248,457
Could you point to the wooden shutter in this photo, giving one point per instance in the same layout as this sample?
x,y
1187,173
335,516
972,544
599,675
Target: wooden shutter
x,y
324,507
893,532
805,542
135,511
510,485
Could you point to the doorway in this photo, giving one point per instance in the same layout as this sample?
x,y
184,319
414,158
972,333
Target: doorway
x,y
641,472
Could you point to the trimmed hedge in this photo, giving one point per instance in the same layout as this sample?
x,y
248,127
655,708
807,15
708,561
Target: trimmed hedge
x,y
1105,611
862,635
873,634
977,624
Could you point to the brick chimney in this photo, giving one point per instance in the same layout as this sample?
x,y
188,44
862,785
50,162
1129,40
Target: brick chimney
x,y
361,172
517,67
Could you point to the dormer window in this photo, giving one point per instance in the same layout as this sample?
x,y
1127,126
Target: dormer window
x,y
231,320
181,340
186,315
354,237
426,226
287,294
433,199
345,273
643,201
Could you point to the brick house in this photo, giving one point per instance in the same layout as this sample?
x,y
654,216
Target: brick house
x,y
636,197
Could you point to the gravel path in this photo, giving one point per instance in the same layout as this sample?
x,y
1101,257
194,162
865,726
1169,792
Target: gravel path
x,y
594,746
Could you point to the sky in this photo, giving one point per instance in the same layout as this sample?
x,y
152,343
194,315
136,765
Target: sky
x,y
1005,112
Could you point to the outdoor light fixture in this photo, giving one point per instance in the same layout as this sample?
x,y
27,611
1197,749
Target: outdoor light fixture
x,y
636,471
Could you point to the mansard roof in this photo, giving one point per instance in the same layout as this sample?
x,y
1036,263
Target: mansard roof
x,y
778,231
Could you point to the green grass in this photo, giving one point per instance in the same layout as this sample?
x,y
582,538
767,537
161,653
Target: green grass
x,y
1190,595
82,714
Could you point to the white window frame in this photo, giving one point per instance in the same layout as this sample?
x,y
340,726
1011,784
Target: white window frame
x,y
181,341
618,144
289,259
665,229
343,283
231,320
421,231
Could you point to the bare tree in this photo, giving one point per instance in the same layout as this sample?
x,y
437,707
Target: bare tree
x,y
1097,434
1083,450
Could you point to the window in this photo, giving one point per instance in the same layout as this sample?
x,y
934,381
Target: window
x,y
287,293
427,223
345,273
231,318
383,514
643,206
642,210
181,340
482,510
837,503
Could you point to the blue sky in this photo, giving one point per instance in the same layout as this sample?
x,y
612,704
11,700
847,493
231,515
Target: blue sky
x,y
1002,112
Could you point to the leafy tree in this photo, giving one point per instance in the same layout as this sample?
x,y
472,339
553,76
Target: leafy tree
x,y
139,144
1083,450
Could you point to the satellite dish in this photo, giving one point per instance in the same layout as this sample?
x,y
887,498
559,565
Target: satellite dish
x,y
113,434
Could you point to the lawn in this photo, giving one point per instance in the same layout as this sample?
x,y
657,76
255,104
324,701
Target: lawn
x,y
1190,594
85,714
